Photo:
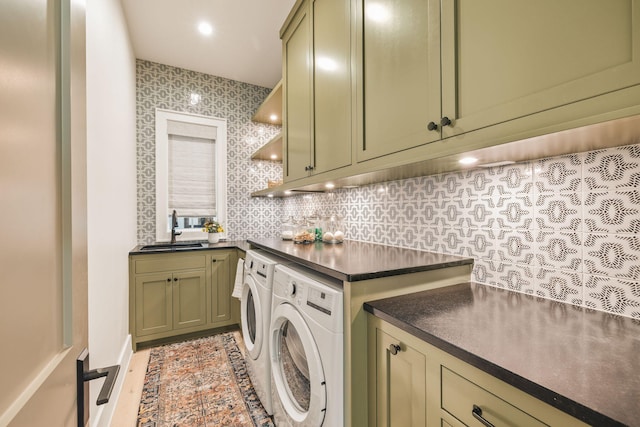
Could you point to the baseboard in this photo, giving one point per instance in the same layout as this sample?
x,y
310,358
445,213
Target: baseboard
x,y
104,413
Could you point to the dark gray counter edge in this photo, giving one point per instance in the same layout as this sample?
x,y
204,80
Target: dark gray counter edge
x,y
346,277
556,400
226,244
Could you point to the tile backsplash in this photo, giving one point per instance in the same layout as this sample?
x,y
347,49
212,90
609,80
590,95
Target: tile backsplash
x,y
565,228
163,86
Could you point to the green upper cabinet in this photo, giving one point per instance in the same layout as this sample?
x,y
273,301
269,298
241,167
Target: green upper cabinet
x,y
505,59
317,89
432,70
297,84
400,74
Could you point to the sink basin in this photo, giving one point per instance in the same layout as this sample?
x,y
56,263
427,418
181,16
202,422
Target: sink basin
x,y
170,246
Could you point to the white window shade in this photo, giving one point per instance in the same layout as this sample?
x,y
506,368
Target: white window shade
x,y
192,186
192,130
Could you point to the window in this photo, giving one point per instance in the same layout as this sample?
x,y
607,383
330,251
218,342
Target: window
x,y
191,173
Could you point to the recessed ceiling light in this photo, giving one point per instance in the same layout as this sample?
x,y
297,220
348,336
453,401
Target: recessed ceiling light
x,y
274,156
273,117
468,160
205,28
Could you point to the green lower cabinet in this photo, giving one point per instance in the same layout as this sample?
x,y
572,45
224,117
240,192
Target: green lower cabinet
x,y
417,384
189,302
180,293
221,287
401,383
154,308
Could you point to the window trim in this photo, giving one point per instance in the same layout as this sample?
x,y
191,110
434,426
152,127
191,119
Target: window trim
x,y
162,168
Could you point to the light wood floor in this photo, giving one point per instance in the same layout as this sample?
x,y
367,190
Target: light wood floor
x,y
126,413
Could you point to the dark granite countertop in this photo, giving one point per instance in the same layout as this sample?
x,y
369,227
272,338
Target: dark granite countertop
x,y
583,362
353,261
226,244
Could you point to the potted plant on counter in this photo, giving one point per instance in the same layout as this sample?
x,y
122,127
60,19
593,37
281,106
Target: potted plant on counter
x,y
213,228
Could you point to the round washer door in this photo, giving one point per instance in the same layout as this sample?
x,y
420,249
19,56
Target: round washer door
x,y
297,368
251,317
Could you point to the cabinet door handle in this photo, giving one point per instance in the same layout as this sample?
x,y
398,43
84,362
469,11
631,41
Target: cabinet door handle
x,y
446,121
214,260
308,168
432,126
394,349
168,279
477,414
175,279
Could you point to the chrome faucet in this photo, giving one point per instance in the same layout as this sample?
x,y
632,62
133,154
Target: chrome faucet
x,y
174,224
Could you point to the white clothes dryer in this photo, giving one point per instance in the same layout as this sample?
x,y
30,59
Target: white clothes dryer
x,y
306,347
255,319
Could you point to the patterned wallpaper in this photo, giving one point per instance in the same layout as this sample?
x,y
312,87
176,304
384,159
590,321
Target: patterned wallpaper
x,y
163,86
564,228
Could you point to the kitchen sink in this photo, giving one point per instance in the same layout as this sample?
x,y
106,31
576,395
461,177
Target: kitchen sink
x,y
170,246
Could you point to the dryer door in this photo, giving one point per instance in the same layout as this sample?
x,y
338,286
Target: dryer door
x,y
297,368
251,317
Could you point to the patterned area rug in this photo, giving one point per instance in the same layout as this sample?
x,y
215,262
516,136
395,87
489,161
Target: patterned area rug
x,y
203,382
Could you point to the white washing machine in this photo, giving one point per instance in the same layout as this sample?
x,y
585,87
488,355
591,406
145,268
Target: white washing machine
x,y
306,347
255,319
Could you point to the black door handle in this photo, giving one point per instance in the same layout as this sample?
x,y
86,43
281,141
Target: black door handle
x,y
83,374
477,414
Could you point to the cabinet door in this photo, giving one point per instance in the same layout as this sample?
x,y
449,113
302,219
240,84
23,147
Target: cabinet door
x,y
401,75
298,103
537,55
189,299
400,383
220,287
153,304
332,84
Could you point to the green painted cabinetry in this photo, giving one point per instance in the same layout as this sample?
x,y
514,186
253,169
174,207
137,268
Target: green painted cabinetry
x,y
400,383
416,384
438,69
179,293
317,88
431,81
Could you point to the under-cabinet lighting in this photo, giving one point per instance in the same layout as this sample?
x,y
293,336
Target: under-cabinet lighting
x,y
468,160
274,156
269,195
205,28
287,193
273,117
496,164
330,185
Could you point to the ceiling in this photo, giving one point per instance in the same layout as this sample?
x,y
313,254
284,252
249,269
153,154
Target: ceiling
x,y
244,45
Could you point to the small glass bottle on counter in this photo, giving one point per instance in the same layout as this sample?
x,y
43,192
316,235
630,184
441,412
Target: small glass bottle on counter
x,y
333,232
287,229
304,233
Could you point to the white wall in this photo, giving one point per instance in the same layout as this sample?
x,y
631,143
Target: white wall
x,y
111,188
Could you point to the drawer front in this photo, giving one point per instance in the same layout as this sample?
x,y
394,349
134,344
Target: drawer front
x,y
460,395
169,262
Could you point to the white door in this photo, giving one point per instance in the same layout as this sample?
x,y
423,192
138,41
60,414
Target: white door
x,y
43,256
297,368
251,317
